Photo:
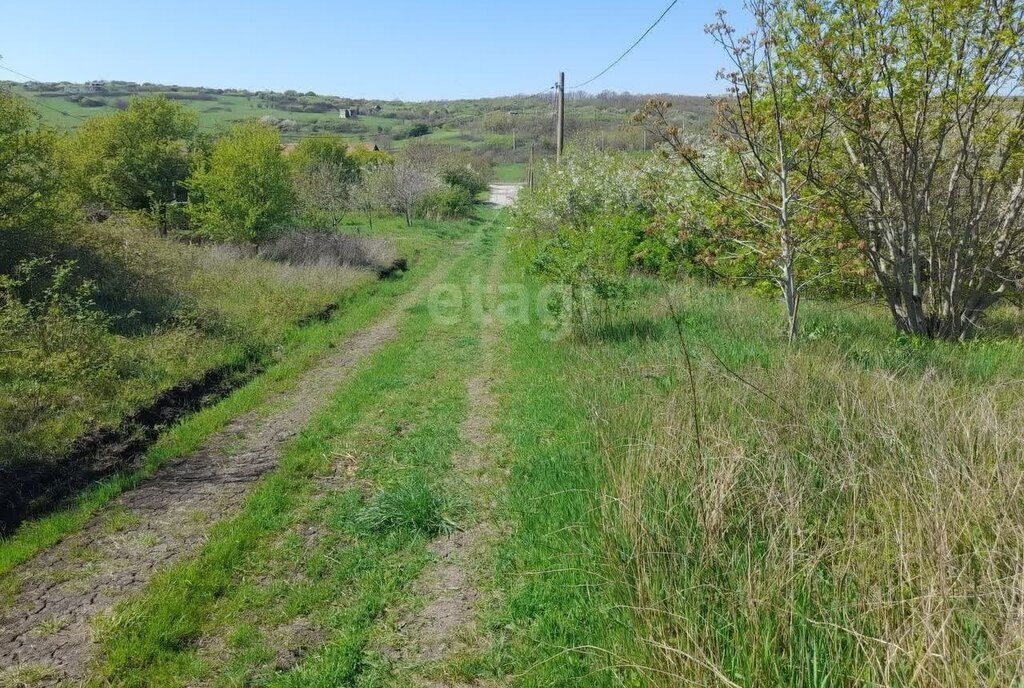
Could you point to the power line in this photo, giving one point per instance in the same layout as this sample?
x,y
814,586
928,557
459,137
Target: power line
x,y
41,103
40,100
628,50
14,71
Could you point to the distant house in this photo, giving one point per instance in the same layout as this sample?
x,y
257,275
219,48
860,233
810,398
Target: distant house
x,y
88,87
348,113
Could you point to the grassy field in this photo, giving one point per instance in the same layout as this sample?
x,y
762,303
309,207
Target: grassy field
x,y
683,499
847,513
161,312
294,349
510,172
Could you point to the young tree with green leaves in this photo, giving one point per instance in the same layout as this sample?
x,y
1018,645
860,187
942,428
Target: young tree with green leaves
x,y
244,191
33,192
928,144
766,141
138,158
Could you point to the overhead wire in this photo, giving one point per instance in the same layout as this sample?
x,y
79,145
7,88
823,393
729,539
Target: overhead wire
x,y
40,101
628,50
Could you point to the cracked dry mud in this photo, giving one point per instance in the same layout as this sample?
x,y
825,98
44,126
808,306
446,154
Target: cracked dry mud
x,y
61,591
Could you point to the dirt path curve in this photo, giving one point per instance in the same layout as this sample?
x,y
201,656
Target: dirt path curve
x,y
446,625
64,588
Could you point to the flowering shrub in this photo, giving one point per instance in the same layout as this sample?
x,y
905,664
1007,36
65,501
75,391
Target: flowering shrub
x,y
600,217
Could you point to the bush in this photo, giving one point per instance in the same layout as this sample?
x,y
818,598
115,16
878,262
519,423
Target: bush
x,y
331,249
445,203
55,342
244,192
466,178
417,130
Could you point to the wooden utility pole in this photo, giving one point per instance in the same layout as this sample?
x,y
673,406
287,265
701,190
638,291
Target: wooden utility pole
x,y
560,123
529,174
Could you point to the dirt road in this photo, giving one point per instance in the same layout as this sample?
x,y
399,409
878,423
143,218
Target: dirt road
x,y
63,589
504,195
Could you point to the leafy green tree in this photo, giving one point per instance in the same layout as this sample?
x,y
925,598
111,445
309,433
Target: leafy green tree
x,y
33,193
927,146
244,191
137,158
318,150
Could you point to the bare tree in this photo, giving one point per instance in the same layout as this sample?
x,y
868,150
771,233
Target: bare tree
x,y
368,192
771,141
324,190
405,185
928,141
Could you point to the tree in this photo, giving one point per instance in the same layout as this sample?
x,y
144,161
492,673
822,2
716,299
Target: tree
x,y
323,191
244,192
137,158
929,125
371,192
316,150
33,193
771,140
324,174
404,185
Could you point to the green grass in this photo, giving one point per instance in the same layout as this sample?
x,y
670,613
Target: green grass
x,y
510,172
397,418
837,500
160,313
297,349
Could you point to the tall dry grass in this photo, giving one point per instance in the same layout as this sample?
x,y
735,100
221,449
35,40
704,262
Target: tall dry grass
x,y
836,525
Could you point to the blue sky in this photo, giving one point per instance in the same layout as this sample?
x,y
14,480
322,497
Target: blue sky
x,y
372,48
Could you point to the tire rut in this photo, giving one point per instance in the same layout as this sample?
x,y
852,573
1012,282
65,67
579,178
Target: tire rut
x,y
63,589
446,624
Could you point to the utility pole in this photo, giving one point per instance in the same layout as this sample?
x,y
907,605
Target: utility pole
x,y
560,123
529,175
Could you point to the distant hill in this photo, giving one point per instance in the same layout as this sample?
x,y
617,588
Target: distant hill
x,y
504,127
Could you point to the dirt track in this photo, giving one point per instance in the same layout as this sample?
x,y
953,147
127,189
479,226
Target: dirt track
x,y
63,589
504,195
446,624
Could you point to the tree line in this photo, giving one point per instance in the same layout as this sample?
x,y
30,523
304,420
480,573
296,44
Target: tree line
x,y
243,185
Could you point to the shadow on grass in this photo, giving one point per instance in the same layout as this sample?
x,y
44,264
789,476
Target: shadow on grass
x,y
618,331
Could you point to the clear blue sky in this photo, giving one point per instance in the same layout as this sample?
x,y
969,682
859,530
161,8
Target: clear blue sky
x,y
372,48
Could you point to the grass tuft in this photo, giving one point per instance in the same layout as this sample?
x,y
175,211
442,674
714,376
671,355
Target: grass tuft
x,y
415,504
